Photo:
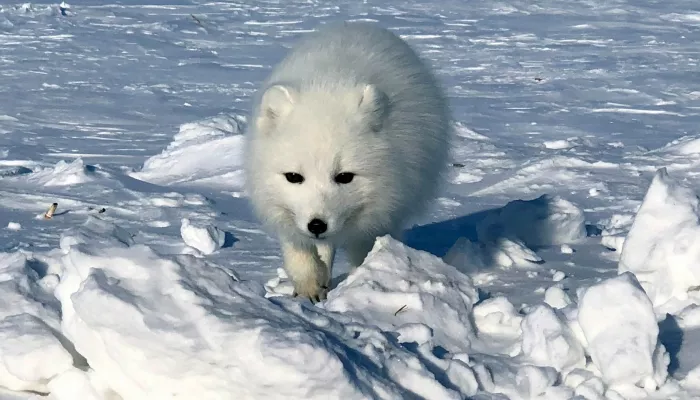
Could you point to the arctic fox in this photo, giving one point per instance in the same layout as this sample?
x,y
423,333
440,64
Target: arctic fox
x,y
348,138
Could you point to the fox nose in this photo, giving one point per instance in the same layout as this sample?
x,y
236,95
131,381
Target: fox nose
x,y
317,226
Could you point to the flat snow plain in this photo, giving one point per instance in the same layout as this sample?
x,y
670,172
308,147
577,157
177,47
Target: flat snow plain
x,y
560,262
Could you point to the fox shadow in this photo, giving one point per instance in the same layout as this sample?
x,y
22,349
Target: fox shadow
x,y
671,336
438,237
521,220
524,220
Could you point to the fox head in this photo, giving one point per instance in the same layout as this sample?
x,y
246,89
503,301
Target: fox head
x,y
320,162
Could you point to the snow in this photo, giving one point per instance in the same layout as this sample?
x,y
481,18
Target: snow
x,y
558,275
474,256
556,297
544,221
27,344
558,144
31,348
618,322
206,239
202,151
506,236
410,287
560,259
548,341
63,174
663,244
188,328
184,327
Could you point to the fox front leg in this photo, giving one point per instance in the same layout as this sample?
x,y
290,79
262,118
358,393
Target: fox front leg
x,y
310,274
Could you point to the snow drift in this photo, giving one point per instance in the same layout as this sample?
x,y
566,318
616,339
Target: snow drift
x,y
63,174
204,152
180,326
105,318
135,325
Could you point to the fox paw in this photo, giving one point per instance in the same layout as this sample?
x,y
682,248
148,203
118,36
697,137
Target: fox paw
x,y
313,292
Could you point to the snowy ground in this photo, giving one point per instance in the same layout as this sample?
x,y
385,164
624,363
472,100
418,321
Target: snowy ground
x,y
153,280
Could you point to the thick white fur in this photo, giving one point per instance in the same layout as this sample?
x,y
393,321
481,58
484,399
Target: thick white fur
x,y
350,97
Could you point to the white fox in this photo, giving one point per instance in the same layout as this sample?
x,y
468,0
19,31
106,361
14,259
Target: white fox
x,y
348,138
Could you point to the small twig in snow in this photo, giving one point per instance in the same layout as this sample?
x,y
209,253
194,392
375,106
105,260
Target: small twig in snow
x,y
399,310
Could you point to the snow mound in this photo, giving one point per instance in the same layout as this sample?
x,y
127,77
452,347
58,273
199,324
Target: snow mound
x,y
685,145
31,353
549,342
116,320
663,245
556,297
544,221
64,174
203,152
96,230
498,326
31,345
178,326
560,144
398,285
506,236
207,239
462,130
470,256
603,347
618,322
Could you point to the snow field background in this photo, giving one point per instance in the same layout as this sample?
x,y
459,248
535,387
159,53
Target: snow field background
x,y
560,261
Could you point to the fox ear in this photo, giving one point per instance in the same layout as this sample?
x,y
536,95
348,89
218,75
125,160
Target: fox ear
x,y
276,102
373,105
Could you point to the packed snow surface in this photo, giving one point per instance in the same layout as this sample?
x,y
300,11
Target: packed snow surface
x,y
560,261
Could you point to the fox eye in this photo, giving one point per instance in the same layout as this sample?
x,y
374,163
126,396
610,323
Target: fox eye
x,y
293,177
344,178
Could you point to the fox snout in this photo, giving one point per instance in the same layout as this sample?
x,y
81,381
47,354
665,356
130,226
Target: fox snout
x,y
317,227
